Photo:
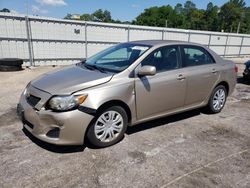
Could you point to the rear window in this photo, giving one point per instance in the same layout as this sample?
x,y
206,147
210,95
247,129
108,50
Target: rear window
x,y
195,56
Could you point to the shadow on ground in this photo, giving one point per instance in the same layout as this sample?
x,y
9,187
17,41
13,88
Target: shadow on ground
x,y
163,121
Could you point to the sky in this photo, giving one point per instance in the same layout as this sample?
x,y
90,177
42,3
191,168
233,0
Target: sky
x,y
124,10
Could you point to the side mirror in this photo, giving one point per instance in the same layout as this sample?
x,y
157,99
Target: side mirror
x,y
147,71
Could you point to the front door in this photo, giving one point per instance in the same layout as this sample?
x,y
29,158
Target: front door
x,y
165,91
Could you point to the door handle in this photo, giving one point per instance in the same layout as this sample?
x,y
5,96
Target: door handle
x,y
181,77
214,71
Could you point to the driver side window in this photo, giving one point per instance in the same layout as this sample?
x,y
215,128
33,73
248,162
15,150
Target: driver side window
x,y
163,59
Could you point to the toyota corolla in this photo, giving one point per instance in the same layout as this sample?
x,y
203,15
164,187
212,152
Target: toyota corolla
x,y
124,85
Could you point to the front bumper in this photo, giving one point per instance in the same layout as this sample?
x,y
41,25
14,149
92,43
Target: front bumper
x,y
60,128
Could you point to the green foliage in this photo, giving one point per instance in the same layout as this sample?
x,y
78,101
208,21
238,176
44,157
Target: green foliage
x,y
5,10
211,17
239,3
98,16
68,16
187,16
226,18
102,16
230,16
87,17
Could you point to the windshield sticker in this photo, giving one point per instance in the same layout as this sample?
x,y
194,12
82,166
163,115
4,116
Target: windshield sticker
x,y
141,48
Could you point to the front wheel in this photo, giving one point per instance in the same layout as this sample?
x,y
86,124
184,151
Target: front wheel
x,y
108,127
217,99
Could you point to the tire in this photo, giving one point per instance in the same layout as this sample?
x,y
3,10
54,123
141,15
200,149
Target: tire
x,y
100,131
218,96
10,68
11,62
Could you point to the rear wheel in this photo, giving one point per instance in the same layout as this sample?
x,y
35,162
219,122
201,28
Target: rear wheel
x,y
108,127
217,100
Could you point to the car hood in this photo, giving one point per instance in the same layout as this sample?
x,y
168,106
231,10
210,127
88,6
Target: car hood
x,y
70,80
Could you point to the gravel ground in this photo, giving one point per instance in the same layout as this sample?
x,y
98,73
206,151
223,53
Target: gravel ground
x,y
191,149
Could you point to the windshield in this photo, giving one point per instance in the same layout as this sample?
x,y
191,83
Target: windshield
x,y
116,58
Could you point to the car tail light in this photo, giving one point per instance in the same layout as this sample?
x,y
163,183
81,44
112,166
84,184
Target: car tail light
x,y
236,69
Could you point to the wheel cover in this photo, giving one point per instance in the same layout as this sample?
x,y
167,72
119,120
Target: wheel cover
x,y
219,99
108,126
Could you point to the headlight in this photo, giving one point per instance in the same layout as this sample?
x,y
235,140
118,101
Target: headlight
x,y
25,91
62,103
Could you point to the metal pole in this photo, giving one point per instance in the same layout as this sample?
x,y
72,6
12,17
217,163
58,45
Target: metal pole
x,y
29,40
128,37
86,41
189,36
27,7
226,45
162,35
238,28
242,40
209,42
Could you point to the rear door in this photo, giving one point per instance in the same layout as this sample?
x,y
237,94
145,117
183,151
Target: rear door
x,y
201,72
164,91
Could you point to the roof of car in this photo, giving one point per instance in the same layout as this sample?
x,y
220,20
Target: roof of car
x,y
159,42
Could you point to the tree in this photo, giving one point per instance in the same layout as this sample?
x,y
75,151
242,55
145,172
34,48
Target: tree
x,y
230,16
245,26
188,6
179,19
239,3
186,16
87,17
211,17
196,19
102,16
156,16
98,16
178,8
5,10
68,16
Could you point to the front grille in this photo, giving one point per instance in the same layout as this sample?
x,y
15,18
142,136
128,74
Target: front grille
x,y
32,100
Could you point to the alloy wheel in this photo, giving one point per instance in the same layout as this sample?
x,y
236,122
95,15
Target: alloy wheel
x,y
219,99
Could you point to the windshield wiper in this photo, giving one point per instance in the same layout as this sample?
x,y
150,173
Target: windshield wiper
x,y
89,66
94,67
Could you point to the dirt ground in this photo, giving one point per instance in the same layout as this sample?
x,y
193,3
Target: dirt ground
x,y
191,149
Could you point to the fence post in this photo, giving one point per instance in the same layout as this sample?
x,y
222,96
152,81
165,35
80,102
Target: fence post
x,y
28,30
189,36
162,36
86,40
128,37
209,42
242,40
226,45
